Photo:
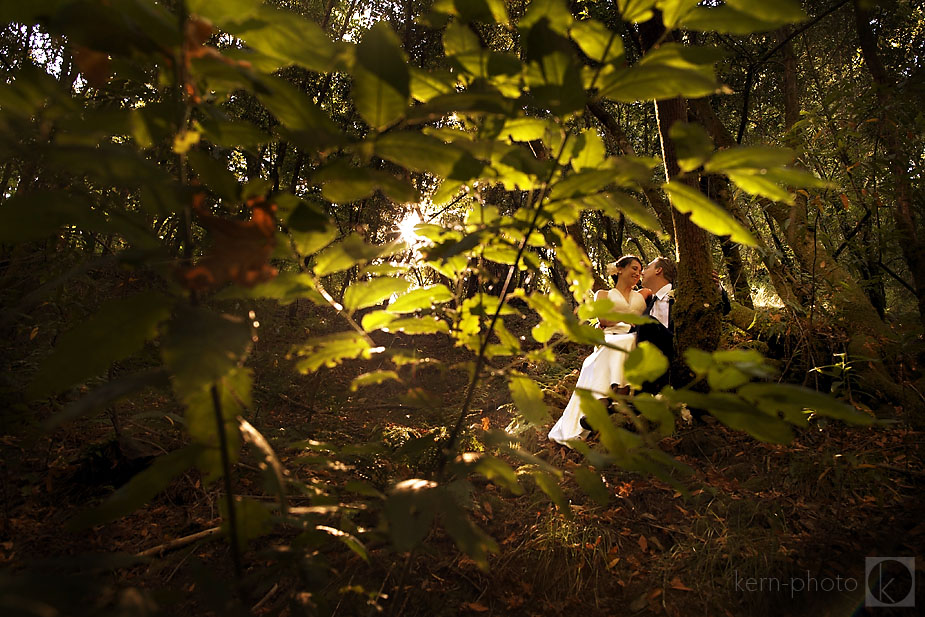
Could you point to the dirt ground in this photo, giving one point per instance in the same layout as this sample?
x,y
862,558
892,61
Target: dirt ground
x,y
758,529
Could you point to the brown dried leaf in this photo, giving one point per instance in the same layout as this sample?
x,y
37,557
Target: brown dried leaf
x,y
93,65
240,250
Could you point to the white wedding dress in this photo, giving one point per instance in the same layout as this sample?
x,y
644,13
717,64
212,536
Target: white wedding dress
x,y
602,368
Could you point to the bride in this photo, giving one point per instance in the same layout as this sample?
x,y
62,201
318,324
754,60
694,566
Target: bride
x,y
603,369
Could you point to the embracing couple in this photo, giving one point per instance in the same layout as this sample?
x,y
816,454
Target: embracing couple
x,y
602,371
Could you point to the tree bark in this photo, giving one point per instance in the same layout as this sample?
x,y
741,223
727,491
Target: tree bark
x,y
910,242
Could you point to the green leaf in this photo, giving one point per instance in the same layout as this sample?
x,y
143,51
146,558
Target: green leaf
x,y
230,133
310,242
674,11
460,102
349,540
693,144
36,215
369,293
285,288
553,72
486,11
421,298
758,184
140,489
726,378
422,153
550,485
591,483
797,178
706,214
305,122
737,414
201,347
342,183
494,469
270,464
372,379
409,511
656,410
525,129
426,85
589,151
331,350
636,11
458,38
234,390
252,519
417,325
554,12
655,82
283,35
698,360
381,81
468,537
345,254
596,41
215,175
796,401
749,157
744,17
528,397
615,203
645,363
107,394
117,330
376,320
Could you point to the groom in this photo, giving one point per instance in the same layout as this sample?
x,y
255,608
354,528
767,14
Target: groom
x,y
658,277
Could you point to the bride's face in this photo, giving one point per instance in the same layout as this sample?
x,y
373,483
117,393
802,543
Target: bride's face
x,y
630,274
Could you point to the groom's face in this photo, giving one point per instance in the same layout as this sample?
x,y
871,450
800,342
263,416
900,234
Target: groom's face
x,y
649,273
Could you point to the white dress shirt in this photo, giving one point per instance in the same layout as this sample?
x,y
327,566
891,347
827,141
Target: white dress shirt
x,y
660,307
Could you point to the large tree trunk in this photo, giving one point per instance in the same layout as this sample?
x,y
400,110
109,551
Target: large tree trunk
x,y
782,278
913,247
696,311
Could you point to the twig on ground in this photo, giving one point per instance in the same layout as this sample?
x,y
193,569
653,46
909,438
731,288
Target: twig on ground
x,y
179,542
266,598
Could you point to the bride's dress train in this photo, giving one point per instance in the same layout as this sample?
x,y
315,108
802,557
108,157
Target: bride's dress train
x,y
600,370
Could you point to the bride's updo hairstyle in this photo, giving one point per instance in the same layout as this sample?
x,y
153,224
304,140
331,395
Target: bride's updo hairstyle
x,y
614,269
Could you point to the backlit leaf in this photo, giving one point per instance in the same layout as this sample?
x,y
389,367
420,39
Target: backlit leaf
x,y
598,43
635,10
331,350
705,213
372,379
645,363
368,293
421,298
528,398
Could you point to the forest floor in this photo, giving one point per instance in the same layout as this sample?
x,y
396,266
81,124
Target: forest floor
x,y
763,530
